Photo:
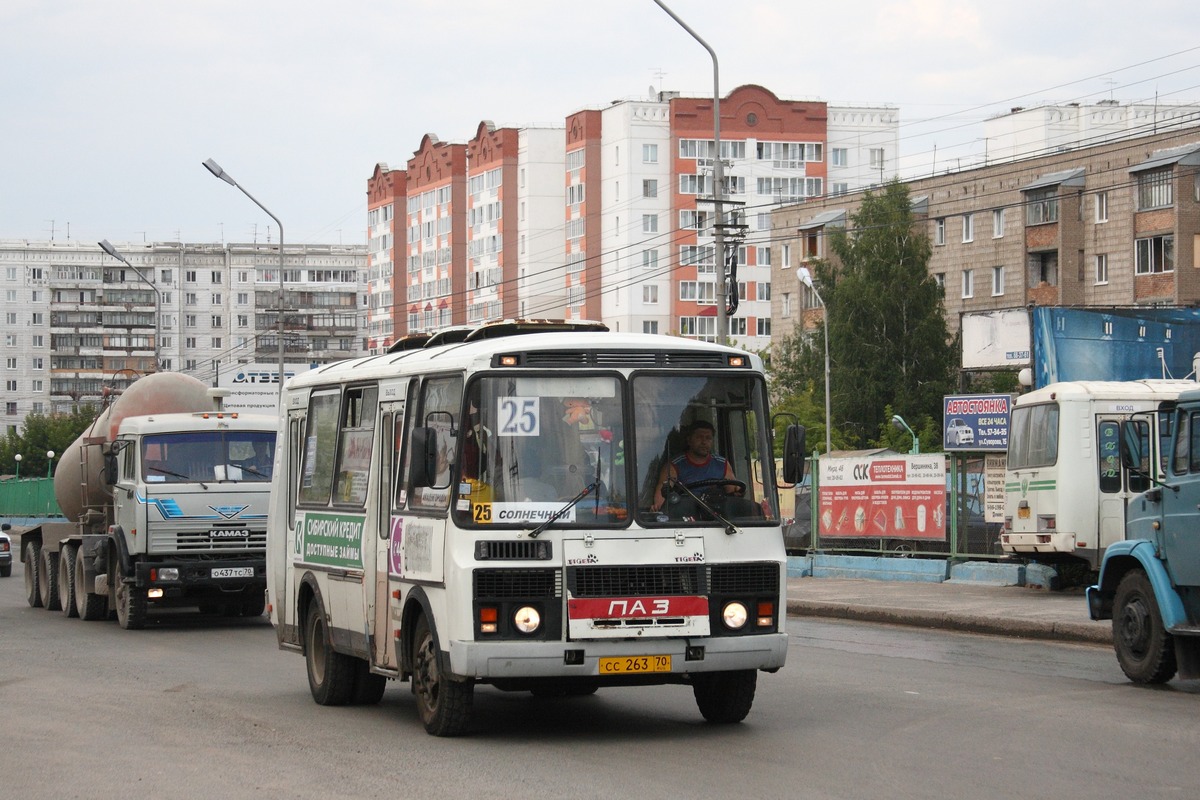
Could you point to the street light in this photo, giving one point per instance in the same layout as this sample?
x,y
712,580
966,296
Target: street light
x,y
215,169
49,463
17,458
718,185
806,278
900,425
112,251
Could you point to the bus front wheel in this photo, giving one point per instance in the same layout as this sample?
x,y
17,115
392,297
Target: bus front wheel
x,y
444,705
725,697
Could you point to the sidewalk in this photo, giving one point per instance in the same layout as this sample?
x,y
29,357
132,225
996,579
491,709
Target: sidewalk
x,y
964,606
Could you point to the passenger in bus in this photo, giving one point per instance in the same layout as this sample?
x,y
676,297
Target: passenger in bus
x,y
697,463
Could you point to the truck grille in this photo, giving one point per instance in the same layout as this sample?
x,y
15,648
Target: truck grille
x,y
201,541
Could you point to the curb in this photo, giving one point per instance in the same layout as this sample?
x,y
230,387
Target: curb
x,y
1077,632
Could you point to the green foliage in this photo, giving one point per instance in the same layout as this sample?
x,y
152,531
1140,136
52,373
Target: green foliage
x,y
42,433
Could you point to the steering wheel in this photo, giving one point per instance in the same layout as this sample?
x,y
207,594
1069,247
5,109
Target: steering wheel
x,y
709,483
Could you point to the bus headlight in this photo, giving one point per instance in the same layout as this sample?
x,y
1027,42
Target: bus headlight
x,y
735,615
527,619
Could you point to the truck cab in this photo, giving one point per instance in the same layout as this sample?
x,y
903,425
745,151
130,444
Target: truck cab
x,y
1149,584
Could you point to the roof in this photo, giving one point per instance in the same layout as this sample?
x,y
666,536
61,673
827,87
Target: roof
x,y
837,217
1187,155
1069,177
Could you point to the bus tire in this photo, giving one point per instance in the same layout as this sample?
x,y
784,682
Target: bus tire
x,y
131,604
443,705
88,605
368,686
33,554
330,673
1145,650
66,581
48,579
725,697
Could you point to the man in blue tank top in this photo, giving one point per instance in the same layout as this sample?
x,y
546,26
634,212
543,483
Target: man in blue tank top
x,y
698,463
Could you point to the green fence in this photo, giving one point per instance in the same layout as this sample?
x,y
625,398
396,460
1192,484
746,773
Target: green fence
x,y
28,497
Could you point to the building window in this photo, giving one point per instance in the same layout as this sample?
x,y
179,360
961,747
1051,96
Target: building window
x,y
997,223
939,231
1101,207
1154,254
968,283
1043,269
649,188
737,326
649,223
650,294
837,157
649,154
39,363
1101,268
838,188
762,291
649,326
217,321
997,281
968,227
764,326
649,259
1155,189
877,157
1041,206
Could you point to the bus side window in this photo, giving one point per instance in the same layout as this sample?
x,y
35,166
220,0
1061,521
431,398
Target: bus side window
x,y
1109,436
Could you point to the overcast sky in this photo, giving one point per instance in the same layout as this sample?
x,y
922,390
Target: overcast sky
x,y
110,106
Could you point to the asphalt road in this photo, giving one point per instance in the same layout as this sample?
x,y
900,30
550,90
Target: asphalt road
x,y
205,708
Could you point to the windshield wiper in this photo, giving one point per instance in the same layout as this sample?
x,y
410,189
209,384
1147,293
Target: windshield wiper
x,y
178,475
730,528
533,534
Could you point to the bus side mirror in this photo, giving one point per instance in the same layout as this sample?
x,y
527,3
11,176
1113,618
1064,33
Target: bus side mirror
x,y
423,469
1131,446
793,454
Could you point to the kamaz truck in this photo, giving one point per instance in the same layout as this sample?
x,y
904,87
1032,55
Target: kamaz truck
x,y
1149,584
166,501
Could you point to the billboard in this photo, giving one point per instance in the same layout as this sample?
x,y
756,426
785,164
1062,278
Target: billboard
x,y
975,422
996,339
891,495
254,388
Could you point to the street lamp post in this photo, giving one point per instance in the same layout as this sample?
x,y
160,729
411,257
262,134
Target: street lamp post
x,y
718,186
215,169
49,463
112,251
806,278
17,458
899,423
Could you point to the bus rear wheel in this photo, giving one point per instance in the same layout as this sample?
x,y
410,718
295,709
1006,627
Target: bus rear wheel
x,y
1145,650
444,705
330,673
725,697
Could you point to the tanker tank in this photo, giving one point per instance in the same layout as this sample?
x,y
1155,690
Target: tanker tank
x,y
78,480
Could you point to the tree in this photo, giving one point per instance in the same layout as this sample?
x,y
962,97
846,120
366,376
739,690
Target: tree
x,y
42,433
888,341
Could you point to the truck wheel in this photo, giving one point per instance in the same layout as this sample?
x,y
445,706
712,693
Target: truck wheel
x,y
330,673
725,697
254,605
88,605
443,705
33,593
48,579
66,581
1145,650
131,604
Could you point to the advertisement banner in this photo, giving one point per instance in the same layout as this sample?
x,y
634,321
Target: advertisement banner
x,y
254,388
892,496
976,422
993,505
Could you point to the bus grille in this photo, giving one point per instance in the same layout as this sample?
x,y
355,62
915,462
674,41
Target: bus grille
x,y
745,578
495,584
636,581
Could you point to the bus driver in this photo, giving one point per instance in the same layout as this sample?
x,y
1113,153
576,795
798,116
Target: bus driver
x,y
698,463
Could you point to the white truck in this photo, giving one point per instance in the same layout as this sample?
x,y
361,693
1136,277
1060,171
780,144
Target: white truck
x,y
166,500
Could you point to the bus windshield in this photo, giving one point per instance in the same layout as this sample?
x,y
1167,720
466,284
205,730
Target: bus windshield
x,y
208,456
534,443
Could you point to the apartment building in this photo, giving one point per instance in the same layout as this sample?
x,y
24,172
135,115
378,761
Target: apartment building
x,y
77,321
1114,224
611,217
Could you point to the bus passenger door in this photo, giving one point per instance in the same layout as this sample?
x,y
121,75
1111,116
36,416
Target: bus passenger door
x,y
388,540
1116,485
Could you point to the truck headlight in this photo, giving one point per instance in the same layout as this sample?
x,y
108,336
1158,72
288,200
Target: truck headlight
x,y
165,574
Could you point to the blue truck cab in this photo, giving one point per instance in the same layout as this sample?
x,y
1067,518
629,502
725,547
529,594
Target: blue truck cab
x,y
1149,584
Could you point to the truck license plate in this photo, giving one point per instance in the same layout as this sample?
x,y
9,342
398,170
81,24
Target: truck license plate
x,y
628,665
233,572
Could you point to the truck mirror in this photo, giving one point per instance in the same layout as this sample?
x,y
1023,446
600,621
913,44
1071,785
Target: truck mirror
x,y
793,454
1131,446
423,468
110,469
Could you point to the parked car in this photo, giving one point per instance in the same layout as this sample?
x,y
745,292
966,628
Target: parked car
x,y
959,433
5,552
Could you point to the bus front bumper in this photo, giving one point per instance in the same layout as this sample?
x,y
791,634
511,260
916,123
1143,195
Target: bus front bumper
x,y
523,659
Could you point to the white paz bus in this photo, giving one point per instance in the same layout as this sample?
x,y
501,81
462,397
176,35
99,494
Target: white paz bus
x,y
1065,489
480,506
